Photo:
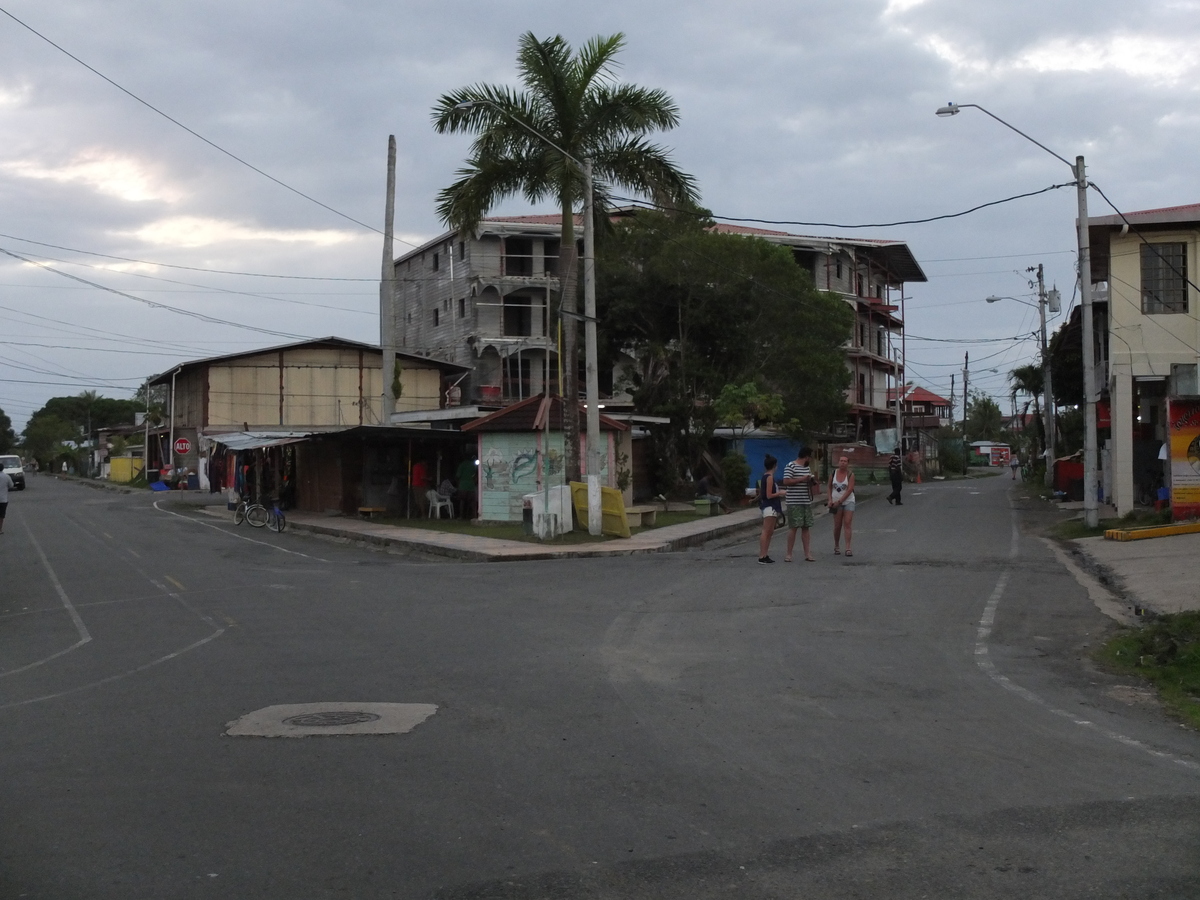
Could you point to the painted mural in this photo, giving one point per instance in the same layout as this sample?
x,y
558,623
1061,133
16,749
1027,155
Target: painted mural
x,y
509,470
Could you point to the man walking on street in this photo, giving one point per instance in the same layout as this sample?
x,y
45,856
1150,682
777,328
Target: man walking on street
x,y
896,474
798,484
6,485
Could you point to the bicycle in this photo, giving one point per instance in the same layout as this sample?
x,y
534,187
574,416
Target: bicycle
x,y
276,520
254,513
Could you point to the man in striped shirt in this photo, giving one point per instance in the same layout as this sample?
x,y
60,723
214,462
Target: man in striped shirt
x,y
799,483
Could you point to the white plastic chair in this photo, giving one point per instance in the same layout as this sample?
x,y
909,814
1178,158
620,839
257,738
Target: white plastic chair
x,y
437,503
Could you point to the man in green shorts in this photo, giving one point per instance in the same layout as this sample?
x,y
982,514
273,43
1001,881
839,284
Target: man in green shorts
x,y
799,484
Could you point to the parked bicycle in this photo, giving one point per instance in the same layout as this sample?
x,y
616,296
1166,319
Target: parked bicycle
x,y
254,513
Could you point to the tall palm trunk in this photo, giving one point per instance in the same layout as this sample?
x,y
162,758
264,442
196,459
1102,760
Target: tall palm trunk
x,y
568,258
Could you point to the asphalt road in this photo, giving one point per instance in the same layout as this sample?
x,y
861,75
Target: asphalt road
x,y
920,720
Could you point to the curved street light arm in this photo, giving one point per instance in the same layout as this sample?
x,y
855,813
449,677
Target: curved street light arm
x,y
951,109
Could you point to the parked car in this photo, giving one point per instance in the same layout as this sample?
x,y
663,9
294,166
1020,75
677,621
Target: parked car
x,y
14,470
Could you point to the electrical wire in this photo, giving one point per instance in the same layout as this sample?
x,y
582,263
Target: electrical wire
x,y
13,237
193,132
648,204
153,303
220,290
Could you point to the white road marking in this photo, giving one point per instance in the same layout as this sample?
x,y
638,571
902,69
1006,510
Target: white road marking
x,y
238,536
119,675
174,582
983,660
80,628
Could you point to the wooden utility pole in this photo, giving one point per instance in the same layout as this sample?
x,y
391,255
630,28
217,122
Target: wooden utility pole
x,y
387,290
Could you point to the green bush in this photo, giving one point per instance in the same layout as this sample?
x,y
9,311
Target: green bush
x,y
735,472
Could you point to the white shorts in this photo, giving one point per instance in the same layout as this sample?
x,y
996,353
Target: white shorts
x,y
769,512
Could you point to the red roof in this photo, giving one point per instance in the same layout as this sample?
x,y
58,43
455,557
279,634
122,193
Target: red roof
x,y
919,395
1167,215
532,220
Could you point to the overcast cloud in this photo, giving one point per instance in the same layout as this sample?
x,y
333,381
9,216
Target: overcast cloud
x,y
791,111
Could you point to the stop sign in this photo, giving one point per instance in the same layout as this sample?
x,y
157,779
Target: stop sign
x,y
182,445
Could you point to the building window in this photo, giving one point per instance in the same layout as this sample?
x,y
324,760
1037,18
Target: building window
x,y
518,257
518,316
839,268
1164,278
436,318
436,261
462,307
550,257
462,250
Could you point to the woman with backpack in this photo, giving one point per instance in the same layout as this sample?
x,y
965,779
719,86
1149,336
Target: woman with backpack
x,y
770,501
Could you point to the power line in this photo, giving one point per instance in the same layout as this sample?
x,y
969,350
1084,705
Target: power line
x,y
152,303
193,132
13,237
965,212
220,290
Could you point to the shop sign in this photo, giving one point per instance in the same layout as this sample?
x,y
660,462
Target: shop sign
x,y
1183,418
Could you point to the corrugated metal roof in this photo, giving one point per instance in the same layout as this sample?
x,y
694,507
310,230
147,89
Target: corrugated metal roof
x,y
529,415
255,440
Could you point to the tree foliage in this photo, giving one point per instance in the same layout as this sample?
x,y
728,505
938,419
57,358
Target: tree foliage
x,y
88,410
65,419
985,420
571,107
7,436
45,438
691,311
747,406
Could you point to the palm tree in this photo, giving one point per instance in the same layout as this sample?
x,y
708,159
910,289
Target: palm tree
x,y
573,101
1027,380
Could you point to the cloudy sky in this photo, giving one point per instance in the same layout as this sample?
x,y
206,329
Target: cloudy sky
x,y
797,111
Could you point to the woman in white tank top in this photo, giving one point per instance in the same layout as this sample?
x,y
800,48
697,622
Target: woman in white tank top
x,y
841,504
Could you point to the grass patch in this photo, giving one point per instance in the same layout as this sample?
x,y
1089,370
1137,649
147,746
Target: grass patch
x,y
1166,652
513,531
1137,518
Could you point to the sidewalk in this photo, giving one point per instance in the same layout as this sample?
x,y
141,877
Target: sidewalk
x,y
484,549
1161,574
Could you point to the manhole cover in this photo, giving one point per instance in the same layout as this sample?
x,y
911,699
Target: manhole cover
x,y
331,719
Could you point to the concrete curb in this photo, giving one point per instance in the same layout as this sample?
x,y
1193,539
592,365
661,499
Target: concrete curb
x,y
94,484
483,549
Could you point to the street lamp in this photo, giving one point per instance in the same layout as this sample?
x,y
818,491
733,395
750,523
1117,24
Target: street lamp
x,y
589,315
1047,385
1091,509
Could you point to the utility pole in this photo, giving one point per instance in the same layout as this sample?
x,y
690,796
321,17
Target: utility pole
x,y
951,399
966,376
899,408
589,339
1047,385
387,293
1091,508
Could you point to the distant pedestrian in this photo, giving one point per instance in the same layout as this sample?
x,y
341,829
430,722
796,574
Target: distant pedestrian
x,y
6,485
704,491
799,486
841,504
418,487
896,474
467,475
1014,463
770,501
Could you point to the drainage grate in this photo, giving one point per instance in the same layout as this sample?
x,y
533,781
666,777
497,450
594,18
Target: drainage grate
x,y
331,719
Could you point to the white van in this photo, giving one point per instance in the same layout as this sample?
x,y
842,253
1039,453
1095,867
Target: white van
x,y
13,469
